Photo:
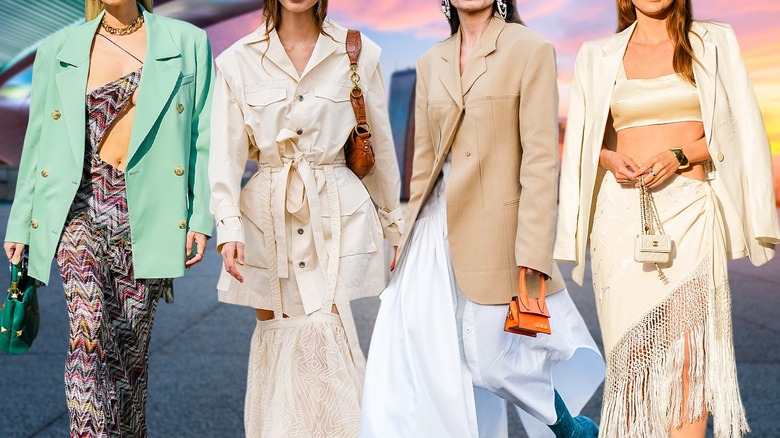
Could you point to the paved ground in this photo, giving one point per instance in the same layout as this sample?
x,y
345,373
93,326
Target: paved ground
x,y
200,347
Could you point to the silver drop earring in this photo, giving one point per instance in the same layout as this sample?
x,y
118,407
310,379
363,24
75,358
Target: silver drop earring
x,y
502,9
445,7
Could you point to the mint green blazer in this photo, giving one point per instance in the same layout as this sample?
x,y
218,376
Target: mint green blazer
x,y
166,175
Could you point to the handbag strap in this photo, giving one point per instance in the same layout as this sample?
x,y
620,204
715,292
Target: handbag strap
x,y
651,222
354,47
524,291
15,274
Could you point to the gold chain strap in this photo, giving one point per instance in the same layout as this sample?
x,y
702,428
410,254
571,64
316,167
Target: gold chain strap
x,y
651,222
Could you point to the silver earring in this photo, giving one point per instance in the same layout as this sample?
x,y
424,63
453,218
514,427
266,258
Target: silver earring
x,y
502,9
445,7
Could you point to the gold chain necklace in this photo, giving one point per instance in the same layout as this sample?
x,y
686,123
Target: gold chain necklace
x,y
127,30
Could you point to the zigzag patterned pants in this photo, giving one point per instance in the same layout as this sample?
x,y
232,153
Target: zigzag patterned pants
x,y
110,312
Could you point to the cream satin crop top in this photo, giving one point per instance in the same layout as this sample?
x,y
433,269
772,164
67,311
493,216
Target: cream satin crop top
x,y
655,101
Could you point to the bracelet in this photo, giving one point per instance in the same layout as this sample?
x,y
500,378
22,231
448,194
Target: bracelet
x,y
681,158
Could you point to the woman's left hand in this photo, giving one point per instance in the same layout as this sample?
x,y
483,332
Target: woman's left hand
x,y
658,169
200,247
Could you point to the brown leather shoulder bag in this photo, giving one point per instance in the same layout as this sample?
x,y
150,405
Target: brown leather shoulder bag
x,y
358,149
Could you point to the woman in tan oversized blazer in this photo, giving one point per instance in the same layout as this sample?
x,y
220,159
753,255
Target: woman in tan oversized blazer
x,y
483,204
666,100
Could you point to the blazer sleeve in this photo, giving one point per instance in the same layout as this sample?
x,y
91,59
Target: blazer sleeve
x,y
384,181
754,145
21,211
200,219
539,161
569,194
229,154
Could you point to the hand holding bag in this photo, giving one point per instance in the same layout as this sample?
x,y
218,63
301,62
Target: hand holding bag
x,y
528,316
19,316
358,149
652,245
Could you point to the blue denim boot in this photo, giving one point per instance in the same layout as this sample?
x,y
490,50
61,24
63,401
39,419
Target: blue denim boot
x,y
568,427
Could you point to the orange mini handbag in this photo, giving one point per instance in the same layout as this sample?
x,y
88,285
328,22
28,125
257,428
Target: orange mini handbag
x,y
528,316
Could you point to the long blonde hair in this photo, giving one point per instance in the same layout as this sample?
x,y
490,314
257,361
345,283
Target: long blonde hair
x,y
93,8
678,25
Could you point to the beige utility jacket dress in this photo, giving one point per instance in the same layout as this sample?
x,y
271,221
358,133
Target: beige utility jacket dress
x,y
307,222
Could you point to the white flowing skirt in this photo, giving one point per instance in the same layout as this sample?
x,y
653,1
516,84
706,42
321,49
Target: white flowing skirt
x,y
418,383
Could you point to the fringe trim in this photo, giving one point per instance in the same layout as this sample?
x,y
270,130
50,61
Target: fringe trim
x,y
643,391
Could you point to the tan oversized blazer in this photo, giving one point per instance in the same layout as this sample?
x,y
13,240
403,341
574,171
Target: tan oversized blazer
x,y
736,138
500,120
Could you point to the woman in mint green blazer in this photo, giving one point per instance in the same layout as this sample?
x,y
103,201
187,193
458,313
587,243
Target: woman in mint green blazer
x,y
113,181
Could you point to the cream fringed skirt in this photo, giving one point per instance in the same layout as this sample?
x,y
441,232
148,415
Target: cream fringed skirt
x,y
649,327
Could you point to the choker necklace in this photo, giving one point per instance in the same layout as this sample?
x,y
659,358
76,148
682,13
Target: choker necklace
x,y
127,30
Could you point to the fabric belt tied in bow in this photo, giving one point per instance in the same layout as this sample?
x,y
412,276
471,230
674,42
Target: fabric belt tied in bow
x,y
296,193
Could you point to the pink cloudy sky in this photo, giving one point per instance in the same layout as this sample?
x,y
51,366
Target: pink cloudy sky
x,y
407,28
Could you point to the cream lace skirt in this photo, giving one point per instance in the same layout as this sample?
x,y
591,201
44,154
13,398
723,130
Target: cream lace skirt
x,y
302,379
650,327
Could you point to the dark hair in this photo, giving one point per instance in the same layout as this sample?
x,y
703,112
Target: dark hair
x,y
678,25
511,15
272,13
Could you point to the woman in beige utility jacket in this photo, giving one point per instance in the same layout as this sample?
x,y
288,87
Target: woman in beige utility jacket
x,y
304,236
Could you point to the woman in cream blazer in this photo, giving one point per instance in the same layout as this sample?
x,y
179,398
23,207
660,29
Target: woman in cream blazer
x,y
113,181
303,237
482,205
666,326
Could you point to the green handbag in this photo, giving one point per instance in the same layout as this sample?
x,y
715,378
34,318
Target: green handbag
x,y
19,316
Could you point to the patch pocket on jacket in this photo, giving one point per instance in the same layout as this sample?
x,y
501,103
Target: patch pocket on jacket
x,y
333,92
357,227
255,253
265,96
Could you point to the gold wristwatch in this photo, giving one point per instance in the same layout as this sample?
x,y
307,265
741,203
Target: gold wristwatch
x,y
681,158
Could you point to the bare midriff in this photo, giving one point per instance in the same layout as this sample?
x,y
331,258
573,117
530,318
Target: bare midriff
x,y
643,142
116,142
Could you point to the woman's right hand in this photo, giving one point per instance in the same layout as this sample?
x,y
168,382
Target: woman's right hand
x,y
232,253
622,166
14,252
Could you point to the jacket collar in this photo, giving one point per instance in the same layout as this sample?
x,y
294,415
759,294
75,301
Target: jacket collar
x,y
458,85
333,41
80,42
158,80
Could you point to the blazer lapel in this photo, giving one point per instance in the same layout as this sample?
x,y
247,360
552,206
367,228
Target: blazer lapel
x,y
158,80
449,73
705,74
477,65
72,84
